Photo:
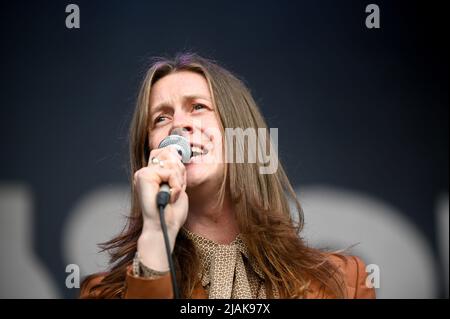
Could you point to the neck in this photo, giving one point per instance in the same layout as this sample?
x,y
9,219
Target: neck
x,y
206,219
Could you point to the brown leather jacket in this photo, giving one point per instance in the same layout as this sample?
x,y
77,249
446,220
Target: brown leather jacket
x,y
161,288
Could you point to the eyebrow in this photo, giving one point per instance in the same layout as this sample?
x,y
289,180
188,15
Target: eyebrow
x,y
190,97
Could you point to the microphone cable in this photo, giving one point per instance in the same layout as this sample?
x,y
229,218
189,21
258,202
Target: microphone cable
x,y
162,199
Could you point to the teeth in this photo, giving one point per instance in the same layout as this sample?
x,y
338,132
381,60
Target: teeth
x,y
198,151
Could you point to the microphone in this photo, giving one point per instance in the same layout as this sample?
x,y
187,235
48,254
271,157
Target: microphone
x,y
183,147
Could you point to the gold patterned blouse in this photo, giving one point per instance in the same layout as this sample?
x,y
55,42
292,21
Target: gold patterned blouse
x,y
227,271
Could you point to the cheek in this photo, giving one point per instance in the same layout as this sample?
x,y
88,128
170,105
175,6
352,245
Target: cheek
x,y
154,139
215,143
213,132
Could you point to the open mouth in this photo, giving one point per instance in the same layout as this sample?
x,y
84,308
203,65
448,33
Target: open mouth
x,y
198,150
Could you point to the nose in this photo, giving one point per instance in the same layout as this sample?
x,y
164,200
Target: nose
x,y
178,131
182,124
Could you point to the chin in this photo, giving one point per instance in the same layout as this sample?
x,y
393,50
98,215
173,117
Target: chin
x,y
198,174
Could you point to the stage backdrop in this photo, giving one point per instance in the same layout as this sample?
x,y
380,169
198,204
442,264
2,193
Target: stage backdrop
x,y
362,118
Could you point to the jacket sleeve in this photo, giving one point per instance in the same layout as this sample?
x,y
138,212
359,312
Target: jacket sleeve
x,y
355,275
148,288
135,287
361,288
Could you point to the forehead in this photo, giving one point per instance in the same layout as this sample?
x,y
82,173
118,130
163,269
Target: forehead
x,y
177,85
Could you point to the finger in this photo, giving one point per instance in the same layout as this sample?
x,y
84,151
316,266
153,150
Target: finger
x,y
167,153
173,177
176,187
177,168
168,158
180,186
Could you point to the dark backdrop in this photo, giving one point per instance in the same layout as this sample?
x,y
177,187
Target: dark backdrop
x,y
356,108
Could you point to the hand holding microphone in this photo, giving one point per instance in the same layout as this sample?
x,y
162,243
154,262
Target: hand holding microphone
x,y
165,175
161,188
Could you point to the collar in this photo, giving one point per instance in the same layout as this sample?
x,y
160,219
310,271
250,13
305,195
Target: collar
x,y
206,249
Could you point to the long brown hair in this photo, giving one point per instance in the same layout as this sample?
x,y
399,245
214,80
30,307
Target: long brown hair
x,y
261,201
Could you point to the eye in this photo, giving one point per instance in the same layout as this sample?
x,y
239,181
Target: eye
x,y
160,118
198,106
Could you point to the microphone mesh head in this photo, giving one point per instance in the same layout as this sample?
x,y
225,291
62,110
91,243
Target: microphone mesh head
x,y
181,143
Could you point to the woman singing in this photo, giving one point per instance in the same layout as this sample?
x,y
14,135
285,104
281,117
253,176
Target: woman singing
x,y
230,227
